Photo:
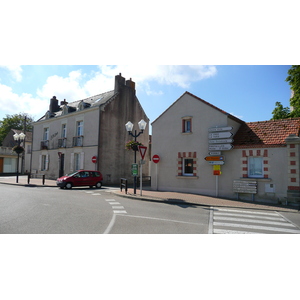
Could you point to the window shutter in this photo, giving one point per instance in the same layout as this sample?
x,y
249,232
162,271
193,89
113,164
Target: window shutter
x,y
47,162
40,163
82,160
72,162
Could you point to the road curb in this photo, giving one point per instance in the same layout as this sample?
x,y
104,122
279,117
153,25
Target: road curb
x,y
184,202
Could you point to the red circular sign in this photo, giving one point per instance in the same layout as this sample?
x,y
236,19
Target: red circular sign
x,y
155,158
94,159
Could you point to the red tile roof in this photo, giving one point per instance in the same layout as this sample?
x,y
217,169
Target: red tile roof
x,y
266,133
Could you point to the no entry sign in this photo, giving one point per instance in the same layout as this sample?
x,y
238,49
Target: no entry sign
x,y
155,158
94,159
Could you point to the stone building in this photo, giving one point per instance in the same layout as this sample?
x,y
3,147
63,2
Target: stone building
x,y
69,135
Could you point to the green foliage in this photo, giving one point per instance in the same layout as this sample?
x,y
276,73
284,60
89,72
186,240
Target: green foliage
x,y
280,112
14,122
294,81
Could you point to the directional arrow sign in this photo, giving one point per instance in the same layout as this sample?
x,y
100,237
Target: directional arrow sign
x,y
216,162
220,141
220,135
220,147
214,158
214,129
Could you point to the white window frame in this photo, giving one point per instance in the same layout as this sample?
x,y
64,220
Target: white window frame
x,y
255,167
63,131
46,134
79,128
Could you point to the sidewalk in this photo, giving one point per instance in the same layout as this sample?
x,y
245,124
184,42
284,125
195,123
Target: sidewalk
x,y
181,199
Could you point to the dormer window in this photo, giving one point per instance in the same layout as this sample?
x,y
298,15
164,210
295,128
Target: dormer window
x,y
82,105
64,110
187,124
49,114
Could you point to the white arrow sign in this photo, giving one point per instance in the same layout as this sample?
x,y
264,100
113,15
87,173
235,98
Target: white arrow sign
x,y
220,141
220,135
213,129
216,162
220,147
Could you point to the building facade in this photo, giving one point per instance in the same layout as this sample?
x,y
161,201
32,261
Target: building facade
x,y
89,134
207,151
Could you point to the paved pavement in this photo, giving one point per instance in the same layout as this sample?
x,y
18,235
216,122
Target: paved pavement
x,y
162,196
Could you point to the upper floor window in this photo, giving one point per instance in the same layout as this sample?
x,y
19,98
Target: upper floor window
x,y
63,131
187,125
255,167
46,134
79,130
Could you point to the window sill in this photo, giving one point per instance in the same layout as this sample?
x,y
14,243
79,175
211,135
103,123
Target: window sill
x,y
186,133
187,177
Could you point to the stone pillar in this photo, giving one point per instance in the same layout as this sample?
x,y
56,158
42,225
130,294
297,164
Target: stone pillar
x,y
293,188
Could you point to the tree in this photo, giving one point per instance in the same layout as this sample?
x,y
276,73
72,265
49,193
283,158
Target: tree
x,y
294,81
14,122
280,112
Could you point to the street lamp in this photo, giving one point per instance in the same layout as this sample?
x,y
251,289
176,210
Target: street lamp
x,y
19,138
129,126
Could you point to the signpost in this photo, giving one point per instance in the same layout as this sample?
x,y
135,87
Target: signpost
x,y
134,169
220,135
221,147
156,159
143,150
213,129
214,158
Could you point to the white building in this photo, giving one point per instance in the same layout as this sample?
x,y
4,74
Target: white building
x,y
263,160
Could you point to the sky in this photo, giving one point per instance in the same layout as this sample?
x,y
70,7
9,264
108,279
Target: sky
x,y
248,92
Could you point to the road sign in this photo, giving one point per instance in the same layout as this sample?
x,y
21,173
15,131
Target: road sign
x,y
143,150
214,153
216,162
220,135
214,129
94,159
134,169
220,141
220,147
155,158
214,158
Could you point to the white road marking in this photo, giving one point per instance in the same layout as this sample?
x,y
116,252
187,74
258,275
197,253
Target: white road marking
x,y
248,216
257,227
227,231
96,194
120,212
246,211
118,207
254,221
110,225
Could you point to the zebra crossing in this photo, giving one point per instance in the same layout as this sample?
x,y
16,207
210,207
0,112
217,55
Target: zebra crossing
x,y
238,221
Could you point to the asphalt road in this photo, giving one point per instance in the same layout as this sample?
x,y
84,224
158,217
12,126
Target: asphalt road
x,y
37,210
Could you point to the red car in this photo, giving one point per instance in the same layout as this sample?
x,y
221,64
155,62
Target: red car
x,y
80,178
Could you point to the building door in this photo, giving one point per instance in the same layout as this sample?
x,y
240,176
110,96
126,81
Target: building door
x,y
62,165
1,164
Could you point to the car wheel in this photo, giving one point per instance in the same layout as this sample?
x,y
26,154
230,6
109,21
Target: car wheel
x,y
98,185
68,185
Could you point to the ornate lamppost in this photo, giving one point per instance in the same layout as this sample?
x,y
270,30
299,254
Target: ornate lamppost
x,y
129,126
19,138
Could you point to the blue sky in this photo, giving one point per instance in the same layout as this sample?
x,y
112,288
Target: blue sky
x,y
246,91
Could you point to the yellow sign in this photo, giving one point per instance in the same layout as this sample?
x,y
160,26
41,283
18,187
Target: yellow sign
x,y
216,167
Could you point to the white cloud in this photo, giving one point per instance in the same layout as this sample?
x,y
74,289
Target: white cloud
x,y
13,103
16,71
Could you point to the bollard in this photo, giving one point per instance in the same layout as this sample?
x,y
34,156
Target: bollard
x,y
28,178
43,179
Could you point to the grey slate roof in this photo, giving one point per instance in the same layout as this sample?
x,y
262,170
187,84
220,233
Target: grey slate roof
x,y
92,101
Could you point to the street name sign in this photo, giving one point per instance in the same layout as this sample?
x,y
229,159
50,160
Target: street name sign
x,y
214,158
220,147
216,129
220,135
220,141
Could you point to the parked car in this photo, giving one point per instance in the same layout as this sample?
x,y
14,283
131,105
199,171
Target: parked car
x,y
80,178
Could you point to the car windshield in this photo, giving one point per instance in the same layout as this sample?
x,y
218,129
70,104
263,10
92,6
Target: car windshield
x,y
71,174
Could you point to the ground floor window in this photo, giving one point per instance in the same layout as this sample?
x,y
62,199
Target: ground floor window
x,y
44,162
188,167
255,167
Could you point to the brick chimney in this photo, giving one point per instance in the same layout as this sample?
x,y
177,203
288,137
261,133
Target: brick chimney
x,y
119,82
130,83
53,107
